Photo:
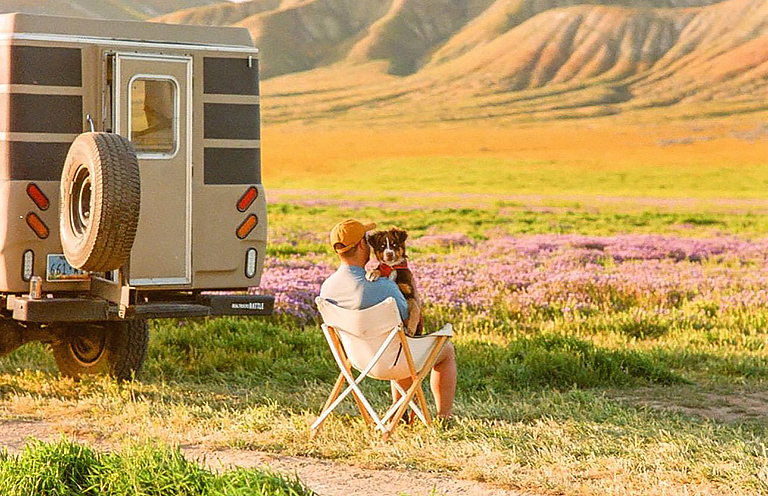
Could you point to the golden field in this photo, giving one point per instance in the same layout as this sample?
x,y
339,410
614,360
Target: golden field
x,y
590,157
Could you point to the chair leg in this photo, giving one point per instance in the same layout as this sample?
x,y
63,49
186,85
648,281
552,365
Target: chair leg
x,y
423,405
348,367
431,359
363,410
334,394
396,404
395,420
409,360
335,391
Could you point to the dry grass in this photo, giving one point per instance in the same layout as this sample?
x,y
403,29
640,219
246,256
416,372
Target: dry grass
x,y
325,158
573,442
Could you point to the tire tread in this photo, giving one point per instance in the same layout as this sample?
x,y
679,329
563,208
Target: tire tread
x,y
116,186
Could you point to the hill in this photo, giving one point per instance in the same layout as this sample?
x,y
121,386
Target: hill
x,y
437,60
100,9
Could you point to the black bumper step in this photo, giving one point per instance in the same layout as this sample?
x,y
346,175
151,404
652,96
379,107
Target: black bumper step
x,y
223,304
91,309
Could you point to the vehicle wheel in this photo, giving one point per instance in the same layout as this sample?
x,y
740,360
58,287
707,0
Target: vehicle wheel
x,y
115,348
100,199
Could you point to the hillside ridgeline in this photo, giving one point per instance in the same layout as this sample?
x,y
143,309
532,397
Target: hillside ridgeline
x,y
101,9
428,60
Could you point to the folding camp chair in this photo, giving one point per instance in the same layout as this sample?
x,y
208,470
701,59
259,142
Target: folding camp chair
x,y
373,341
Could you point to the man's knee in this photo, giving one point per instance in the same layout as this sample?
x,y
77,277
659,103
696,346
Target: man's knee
x,y
447,354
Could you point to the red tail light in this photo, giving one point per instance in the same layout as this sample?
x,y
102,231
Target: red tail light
x,y
37,225
246,200
37,195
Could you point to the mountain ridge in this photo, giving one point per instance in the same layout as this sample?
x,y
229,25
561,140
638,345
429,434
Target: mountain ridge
x,y
101,9
448,60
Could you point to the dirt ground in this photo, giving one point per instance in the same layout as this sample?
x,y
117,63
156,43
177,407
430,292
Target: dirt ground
x,y
324,477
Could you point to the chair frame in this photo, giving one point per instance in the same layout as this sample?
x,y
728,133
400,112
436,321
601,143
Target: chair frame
x,y
390,420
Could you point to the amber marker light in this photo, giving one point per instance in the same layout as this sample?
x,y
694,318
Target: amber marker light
x,y
37,225
246,200
247,226
37,195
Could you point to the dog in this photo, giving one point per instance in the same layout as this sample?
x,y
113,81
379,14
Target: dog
x,y
389,249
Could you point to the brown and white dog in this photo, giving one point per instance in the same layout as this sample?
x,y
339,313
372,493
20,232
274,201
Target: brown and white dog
x,y
389,248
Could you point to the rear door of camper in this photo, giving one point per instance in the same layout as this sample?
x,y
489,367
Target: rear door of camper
x,y
152,107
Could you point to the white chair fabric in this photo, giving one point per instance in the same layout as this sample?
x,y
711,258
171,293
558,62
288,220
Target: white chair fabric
x,y
362,332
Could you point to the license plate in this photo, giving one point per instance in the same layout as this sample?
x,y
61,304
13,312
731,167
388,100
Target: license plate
x,y
58,269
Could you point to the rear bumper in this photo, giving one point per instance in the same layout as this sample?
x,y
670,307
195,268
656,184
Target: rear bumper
x,y
43,310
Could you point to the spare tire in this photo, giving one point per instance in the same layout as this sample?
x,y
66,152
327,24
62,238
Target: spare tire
x,y
99,202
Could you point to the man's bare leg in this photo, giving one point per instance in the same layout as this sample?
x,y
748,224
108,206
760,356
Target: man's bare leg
x,y
442,382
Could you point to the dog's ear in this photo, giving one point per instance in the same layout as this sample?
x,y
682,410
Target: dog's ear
x,y
400,234
374,239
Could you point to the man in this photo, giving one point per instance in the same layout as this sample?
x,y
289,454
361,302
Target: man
x,y
348,288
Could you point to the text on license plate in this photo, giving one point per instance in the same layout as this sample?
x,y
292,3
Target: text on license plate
x,y
58,269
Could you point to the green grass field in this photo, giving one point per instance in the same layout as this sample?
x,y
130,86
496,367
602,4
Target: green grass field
x,y
500,176
590,386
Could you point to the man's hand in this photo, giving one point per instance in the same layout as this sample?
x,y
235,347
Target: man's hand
x,y
373,275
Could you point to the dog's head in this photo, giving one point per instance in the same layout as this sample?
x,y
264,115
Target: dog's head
x,y
389,245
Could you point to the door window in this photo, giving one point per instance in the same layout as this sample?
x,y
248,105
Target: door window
x,y
154,116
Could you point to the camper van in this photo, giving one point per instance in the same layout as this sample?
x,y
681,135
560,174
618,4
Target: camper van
x,y
130,184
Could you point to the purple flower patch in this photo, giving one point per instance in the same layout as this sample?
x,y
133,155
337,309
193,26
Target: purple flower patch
x,y
568,274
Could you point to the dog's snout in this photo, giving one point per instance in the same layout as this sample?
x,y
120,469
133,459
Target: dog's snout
x,y
389,255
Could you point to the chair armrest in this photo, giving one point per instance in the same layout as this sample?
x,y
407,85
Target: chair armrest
x,y
446,330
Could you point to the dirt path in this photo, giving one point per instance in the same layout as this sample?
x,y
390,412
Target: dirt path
x,y
324,477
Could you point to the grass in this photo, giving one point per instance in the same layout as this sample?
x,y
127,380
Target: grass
x,y
507,176
70,469
295,225
289,355
547,406
637,396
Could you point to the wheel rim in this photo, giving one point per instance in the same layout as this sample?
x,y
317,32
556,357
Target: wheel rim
x,y
87,348
80,206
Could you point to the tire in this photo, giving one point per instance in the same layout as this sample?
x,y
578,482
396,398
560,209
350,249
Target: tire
x,y
100,200
114,348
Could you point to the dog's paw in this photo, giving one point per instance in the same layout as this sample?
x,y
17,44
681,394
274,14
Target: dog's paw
x,y
412,327
373,275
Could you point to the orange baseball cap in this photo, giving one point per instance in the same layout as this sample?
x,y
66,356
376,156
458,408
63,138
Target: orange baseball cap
x,y
349,232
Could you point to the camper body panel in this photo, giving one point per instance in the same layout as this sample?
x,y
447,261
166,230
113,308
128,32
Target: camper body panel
x,y
59,79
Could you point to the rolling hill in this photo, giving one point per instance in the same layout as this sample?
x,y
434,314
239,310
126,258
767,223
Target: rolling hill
x,y
100,9
448,60
438,60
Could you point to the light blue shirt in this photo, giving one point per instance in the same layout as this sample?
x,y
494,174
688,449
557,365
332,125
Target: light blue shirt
x,y
348,288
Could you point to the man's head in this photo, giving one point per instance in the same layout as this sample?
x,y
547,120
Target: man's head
x,y
348,237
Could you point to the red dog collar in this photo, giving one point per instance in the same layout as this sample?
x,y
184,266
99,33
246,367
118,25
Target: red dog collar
x,y
386,270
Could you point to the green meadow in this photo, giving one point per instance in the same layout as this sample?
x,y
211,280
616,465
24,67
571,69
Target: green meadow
x,y
498,175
